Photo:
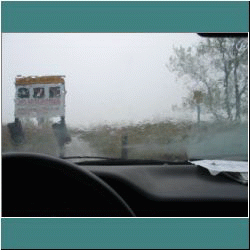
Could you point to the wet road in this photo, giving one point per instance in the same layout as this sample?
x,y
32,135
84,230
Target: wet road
x,y
78,147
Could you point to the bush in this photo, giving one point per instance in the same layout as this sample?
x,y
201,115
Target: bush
x,y
38,140
145,141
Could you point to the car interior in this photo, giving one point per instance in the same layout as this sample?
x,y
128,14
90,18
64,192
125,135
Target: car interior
x,y
39,185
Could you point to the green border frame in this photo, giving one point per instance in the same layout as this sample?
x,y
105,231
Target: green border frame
x,y
147,233
131,16
126,233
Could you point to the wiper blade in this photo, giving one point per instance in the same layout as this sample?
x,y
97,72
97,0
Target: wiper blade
x,y
119,161
88,157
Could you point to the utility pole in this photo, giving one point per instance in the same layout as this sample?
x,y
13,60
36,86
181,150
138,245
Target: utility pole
x,y
198,97
198,113
124,154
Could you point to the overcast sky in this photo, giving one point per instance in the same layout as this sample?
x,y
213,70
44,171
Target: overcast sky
x,y
109,77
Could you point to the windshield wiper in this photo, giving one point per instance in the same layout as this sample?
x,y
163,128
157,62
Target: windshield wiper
x,y
87,157
119,161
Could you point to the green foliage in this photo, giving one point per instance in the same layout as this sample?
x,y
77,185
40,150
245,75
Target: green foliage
x,y
218,68
6,140
39,139
105,140
160,140
145,141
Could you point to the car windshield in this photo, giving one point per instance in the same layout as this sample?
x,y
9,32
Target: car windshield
x,y
163,96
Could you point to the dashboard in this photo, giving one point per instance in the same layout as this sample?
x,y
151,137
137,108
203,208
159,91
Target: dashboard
x,y
175,191
43,186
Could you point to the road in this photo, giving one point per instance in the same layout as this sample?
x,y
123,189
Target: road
x,y
78,147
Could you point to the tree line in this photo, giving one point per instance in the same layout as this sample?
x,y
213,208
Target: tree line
x,y
216,74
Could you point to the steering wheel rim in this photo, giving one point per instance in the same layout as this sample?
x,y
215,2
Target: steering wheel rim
x,y
34,174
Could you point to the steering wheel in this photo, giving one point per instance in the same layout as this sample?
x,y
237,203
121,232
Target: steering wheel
x,y
39,185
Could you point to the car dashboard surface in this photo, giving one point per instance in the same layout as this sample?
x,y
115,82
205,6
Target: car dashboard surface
x,y
175,190
156,190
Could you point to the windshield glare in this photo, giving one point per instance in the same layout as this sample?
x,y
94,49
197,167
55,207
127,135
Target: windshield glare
x,y
164,96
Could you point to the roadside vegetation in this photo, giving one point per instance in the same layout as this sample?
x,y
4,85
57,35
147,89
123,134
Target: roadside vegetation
x,y
160,140
38,139
164,140
147,140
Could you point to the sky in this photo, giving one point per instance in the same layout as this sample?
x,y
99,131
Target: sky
x,y
110,77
